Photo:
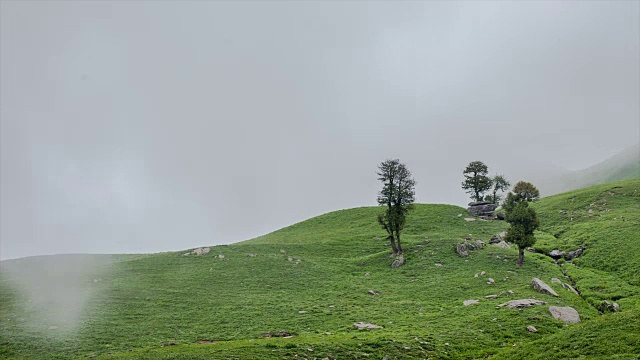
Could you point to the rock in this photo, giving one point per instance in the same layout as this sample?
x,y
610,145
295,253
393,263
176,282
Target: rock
x,y
556,254
201,251
503,245
570,288
302,312
398,262
490,281
371,292
482,208
470,302
500,216
437,264
563,212
542,287
377,239
186,254
495,239
469,219
290,258
531,328
220,256
426,241
493,296
282,251
590,211
566,314
521,303
607,306
573,254
252,255
368,326
367,274
480,244
476,275
483,273
556,280
510,292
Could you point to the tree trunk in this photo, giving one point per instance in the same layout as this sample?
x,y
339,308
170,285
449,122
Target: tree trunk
x,y
520,257
393,244
399,245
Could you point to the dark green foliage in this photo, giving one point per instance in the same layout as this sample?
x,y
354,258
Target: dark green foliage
x,y
498,184
524,221
398,195
476,182
523,191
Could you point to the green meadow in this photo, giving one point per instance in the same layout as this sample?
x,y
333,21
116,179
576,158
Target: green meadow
x,y
312,281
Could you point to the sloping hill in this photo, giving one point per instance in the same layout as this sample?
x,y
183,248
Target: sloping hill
x,y
312,279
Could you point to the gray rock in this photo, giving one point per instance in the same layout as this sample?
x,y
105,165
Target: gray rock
x,y
201,251
566,314
470,302
570,288
503,245
556,254
367,274
521,303
482,208
500,216
607,306
469,219
556,280
490,281
493,296
437,264
371,292
542,287
483,273
367,326
531,328
398,262
573,254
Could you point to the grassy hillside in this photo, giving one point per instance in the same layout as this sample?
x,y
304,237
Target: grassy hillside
x,y
312,280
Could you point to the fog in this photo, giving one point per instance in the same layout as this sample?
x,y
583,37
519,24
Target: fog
x,y
136,126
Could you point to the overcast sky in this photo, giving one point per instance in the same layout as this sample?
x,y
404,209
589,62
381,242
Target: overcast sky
x,y
132,126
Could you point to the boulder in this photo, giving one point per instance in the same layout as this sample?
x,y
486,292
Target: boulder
x,y
482,208
398,262
521,303
570,288
556,254
542,287
573,254
503,245
531,328
470,302
500,216
368,326
566,314
607,306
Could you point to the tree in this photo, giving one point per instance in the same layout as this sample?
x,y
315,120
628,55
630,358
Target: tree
x,y
523,222
398,195
499,184
523,191
476,181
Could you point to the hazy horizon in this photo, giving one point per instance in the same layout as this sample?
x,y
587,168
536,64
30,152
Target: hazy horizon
x,y
135,127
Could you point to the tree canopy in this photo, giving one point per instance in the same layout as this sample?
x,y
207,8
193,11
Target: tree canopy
x,y
476,182
523,222
498,184
522,192
397,195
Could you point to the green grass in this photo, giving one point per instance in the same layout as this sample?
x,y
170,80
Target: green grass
x,y
139,300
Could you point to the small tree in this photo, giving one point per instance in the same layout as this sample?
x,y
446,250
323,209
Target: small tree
x,y
523,191
398,195
476,181
499,184
523,222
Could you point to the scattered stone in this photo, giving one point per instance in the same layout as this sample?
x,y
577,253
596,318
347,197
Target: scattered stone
x,y
367,274
438,264
290,258
426,241
302,312
556,280
368,326
503,245
201,251
563,212
510,292
607,306
490,281
483,273
531,328
470,302
377,239
371,292
542,287
482,208
459,215
186,254
590,211
495,239
476,275
469,219
398,262
480,244
252,255
570,288
493,296
566,314
521,303
171,343
282,251
220,256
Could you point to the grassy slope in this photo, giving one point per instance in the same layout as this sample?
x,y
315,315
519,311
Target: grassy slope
x,y
138,303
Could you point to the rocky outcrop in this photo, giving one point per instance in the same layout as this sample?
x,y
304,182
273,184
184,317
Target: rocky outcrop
x,y
566,314
482,209
522,303
542,287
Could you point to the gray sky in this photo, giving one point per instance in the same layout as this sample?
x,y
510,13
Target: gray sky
x,y
131,126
